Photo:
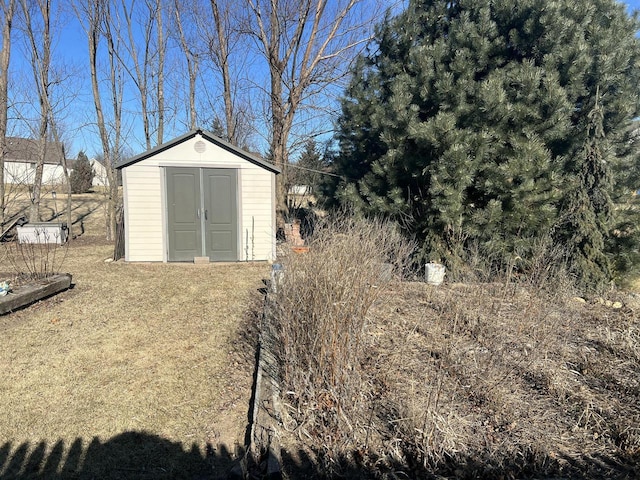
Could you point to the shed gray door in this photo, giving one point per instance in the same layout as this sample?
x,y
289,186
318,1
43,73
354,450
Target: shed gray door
x,y
220,207
183,215
202,214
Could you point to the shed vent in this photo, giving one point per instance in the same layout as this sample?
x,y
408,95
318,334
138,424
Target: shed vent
x,y
200,146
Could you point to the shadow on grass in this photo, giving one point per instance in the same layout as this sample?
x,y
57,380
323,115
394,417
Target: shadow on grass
x,y
55,214
130,455
529,466
138,455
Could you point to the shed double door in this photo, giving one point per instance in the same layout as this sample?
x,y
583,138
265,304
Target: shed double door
x,y
202,214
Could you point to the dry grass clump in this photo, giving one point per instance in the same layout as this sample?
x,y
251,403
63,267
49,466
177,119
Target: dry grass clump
x,y
506,376
319,314
542,267
479,381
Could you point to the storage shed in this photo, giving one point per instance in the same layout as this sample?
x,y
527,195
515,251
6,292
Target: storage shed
x,y
198,197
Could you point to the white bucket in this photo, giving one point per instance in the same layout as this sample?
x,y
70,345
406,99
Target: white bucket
x,y
434,273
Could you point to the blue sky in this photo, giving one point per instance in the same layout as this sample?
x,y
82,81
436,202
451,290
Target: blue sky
x,y
75,48
71,50
633,4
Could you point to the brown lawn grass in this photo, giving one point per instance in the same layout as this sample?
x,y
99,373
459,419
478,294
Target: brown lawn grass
x,y
151,348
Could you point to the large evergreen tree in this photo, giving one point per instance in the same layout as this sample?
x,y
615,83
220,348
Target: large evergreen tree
x,y
473,120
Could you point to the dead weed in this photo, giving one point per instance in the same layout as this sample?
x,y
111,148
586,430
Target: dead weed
x,y
488,381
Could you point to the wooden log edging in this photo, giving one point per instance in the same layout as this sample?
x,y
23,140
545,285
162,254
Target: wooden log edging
x,y
32,292
265,437
263,450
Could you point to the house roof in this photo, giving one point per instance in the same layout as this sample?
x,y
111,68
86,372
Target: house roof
x,y
20,149
207,136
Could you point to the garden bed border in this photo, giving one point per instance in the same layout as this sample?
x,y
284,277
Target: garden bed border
x,y
32,292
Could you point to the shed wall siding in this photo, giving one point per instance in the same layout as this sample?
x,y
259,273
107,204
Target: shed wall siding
x,y
144,208
146,239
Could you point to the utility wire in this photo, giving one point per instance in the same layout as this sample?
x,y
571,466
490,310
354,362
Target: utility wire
x,y
319,171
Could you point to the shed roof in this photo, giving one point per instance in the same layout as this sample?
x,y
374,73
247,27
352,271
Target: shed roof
x,y
20,149
207,136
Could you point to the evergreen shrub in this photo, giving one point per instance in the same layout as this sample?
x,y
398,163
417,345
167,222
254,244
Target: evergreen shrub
x,y
81,176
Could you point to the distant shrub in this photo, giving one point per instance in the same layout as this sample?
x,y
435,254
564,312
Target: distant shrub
x,y
81,177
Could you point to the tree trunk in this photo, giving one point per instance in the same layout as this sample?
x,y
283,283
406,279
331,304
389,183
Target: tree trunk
x,y
193,74
279,147
7,19
98,23
116,91
222,56
160,85
34,208
192,64
40,63
307,45
67,181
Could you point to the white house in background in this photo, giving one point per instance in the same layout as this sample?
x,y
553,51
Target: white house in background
x,y
199,198
300,196
20,162
99,173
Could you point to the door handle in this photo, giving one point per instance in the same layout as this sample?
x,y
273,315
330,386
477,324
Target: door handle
x,y
197,213
205,214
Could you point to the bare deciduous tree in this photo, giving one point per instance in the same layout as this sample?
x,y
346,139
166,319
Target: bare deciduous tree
x,y
140,74
219,50
98,23
161,52
191,56
146,67
227,51
307,46
7,9
38,34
